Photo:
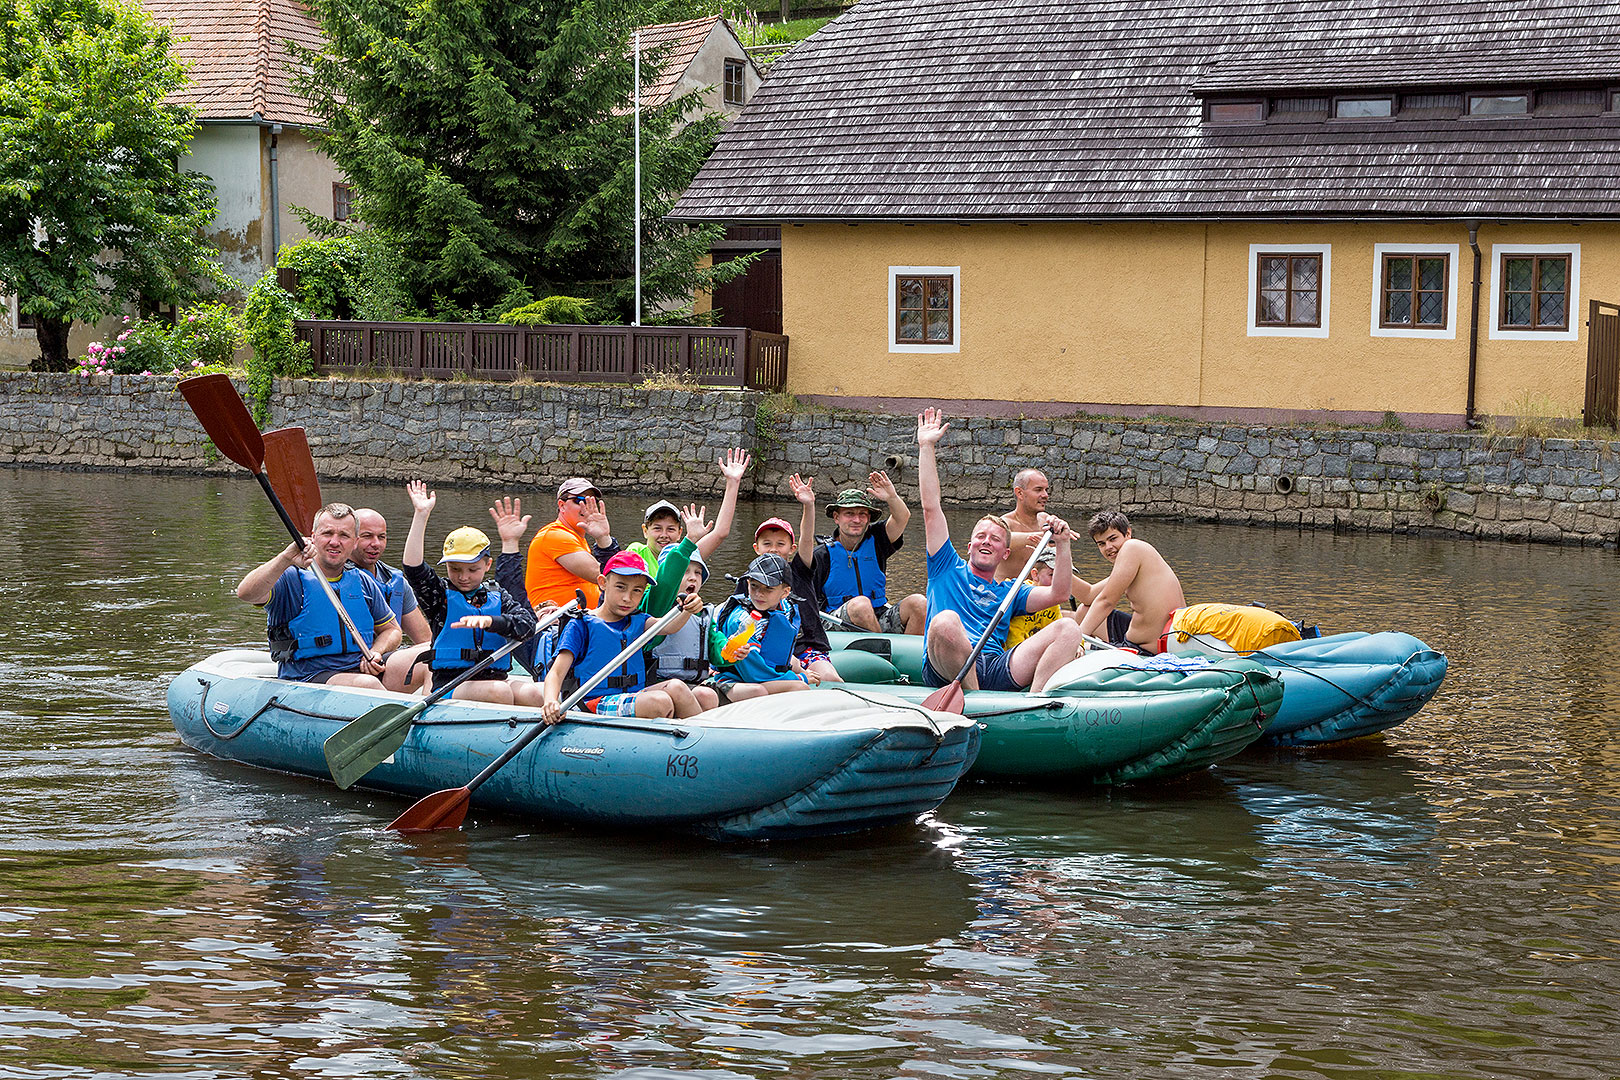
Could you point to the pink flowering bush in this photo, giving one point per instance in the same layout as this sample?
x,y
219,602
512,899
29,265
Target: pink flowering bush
x,y
202,339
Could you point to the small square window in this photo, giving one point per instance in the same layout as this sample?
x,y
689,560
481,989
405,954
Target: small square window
x,y
1236,112
1363,108
1289,290
924,307
1535,292
342,202
25,320
1498,104
736,87
1414,292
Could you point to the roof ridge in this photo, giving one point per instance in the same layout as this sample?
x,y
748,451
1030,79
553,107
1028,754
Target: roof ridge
x,y
261,66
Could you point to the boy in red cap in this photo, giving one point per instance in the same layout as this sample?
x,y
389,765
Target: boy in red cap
x,y
472,617
593,641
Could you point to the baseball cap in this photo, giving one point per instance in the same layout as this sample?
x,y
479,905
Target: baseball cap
x,y
577,485
466,544
1048,557
775,523
854,499
658,508
770,570
629,564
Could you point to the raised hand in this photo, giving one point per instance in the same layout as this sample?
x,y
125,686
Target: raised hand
x,y
692,519
734,464
802,489
510,520
879,486
422,500
594,521
931,426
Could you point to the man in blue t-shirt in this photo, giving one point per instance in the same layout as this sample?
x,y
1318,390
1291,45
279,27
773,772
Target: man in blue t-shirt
x,y
963,594
307,637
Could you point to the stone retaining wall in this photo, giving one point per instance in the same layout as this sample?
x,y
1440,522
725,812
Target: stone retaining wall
x,y
645,439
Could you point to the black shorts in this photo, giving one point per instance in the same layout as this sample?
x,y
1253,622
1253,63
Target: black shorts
x,y
321,677
1119,624
444,675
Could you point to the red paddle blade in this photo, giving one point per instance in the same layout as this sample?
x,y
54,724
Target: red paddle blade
x,y
291,469
948,698
440,810
217,404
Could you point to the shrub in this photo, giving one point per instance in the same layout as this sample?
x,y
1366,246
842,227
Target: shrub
x,y
355,276
204,339
268,319
552,309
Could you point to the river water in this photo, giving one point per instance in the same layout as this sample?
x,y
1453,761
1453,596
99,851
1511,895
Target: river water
x,y
1438,902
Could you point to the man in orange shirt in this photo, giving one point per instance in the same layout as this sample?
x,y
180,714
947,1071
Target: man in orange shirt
x,y
568,554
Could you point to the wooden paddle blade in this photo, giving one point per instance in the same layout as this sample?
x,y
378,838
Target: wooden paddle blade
x,y
441,810
291,469
223,415
948,698
367,741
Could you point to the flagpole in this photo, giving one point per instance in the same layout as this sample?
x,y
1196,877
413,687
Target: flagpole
x,y
638,177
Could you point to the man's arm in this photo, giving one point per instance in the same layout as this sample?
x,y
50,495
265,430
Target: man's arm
x,y
255,586
732,467
594,524
883,488
415,625
930,427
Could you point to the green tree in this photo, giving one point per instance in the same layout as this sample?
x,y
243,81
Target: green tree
x,y
490,142
94,210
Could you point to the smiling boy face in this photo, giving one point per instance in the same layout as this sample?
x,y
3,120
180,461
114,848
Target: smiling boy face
x,y
1110,542
662,531
774,542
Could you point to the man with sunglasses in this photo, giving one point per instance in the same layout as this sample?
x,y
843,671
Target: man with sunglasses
x,y
569,553
307,637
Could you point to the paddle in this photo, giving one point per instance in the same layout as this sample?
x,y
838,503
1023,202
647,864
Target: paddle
x,y
446,809
225,418
372,737
950,698
291,469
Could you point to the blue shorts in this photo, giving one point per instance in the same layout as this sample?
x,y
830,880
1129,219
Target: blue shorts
x,y
993,669
613,705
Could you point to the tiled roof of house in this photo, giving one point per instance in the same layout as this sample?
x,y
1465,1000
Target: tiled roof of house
x,y
237,57
1090,109
682,40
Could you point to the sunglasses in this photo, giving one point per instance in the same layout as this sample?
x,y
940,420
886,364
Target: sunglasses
x,y
580,500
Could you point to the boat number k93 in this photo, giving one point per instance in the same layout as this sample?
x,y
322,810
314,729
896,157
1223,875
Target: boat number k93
x,y
1099,717
684,766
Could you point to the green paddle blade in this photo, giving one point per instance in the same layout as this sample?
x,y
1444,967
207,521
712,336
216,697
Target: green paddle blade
x,y
367,741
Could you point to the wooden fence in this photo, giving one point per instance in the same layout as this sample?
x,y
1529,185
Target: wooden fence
x,y
706,356
1602,365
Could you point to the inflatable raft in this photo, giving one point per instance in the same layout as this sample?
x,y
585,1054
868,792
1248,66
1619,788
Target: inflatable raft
x,y
1097,723
785,766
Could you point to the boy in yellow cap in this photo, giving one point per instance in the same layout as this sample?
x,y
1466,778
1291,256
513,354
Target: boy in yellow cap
x,y
472,617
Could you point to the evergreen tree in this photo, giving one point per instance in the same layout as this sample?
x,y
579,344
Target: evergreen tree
x,y
490,142
94,210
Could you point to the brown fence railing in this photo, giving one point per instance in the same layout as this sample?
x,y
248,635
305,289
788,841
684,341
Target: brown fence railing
x,y
1602,365
706,355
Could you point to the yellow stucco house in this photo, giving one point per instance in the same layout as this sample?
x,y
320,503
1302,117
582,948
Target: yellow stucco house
x,y
1225,211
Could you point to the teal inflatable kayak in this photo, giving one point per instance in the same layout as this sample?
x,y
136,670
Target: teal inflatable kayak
x,y
1101,723
786,766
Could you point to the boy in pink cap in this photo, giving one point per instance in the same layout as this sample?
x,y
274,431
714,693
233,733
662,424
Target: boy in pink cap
x,y
592,642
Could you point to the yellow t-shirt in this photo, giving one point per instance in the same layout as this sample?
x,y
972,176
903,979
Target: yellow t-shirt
x,y
1024,626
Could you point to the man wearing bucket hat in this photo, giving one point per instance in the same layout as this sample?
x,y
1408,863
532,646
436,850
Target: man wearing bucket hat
x,y
850,567
470,615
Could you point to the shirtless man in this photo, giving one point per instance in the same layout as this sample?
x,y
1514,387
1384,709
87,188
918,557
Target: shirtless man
x,y
1031,491
1141,576
403,674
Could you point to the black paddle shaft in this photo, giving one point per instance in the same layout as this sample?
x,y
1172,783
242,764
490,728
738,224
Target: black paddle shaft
x,y
275,501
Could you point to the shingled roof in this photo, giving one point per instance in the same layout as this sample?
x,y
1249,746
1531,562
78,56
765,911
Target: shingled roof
x,y
237,58
963,110
682,40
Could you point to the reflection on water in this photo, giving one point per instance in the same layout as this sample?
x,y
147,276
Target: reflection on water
x,y
1439,902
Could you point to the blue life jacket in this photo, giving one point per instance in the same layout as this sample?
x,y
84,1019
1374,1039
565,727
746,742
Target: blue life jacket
x,y
773,653
603,643
463,648
316,630
853,573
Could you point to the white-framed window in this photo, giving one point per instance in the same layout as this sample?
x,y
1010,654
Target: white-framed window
x,y
1415,290
925,309
1288,289
1535,292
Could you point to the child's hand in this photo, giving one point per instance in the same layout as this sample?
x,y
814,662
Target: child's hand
x,y
811,678
691,603
510,520
734,464
802,489
692,520
473,622
552,711
422,500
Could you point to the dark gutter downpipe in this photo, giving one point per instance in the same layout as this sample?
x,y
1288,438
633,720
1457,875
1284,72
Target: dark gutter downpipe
x,y
275,203
1469,419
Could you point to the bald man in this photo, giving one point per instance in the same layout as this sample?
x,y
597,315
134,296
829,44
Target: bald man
x,y
403,675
